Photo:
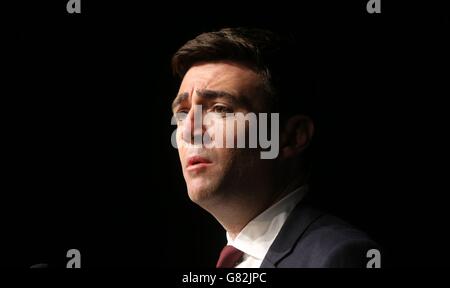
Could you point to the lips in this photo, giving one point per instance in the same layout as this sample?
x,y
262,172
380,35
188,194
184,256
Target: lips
x,y
197,162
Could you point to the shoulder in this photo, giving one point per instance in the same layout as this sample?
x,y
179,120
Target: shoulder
x,y
330,242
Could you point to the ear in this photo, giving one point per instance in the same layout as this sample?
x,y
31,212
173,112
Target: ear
x,y
296,136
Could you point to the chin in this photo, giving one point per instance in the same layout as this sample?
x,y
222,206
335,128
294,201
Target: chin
x,y
201,193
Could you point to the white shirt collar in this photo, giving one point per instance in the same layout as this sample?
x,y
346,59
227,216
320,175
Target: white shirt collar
x,y
258,235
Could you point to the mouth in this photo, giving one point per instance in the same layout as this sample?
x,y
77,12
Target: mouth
x,y
197,162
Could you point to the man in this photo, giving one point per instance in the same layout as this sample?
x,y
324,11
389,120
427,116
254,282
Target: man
x,y
258,200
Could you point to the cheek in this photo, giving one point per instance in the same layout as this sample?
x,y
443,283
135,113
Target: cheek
x,y
178,134
181,150
180,142
222,132
226,158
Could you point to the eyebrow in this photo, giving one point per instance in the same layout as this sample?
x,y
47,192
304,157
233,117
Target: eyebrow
x,y
180,98
206,94
214,94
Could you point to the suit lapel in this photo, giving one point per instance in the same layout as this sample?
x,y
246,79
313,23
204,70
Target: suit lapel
x,y
298,221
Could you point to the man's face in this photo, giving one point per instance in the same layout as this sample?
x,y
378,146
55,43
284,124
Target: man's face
x,y
212,173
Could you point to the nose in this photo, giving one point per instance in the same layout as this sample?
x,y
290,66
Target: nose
x,y
193,128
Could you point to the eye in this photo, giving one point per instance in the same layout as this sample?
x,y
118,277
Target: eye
x,y
180,115
221,109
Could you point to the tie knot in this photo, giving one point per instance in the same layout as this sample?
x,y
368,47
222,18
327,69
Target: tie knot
x,y
229,257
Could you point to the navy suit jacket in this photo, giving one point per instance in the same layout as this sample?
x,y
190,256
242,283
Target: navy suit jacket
x,y
313,239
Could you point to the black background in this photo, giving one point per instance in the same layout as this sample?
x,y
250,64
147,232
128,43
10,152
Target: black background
x,y
87,155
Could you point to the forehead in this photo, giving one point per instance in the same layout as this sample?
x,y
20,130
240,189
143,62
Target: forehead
x,y
231,77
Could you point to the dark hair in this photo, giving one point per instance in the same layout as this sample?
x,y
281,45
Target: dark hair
x,y
279,59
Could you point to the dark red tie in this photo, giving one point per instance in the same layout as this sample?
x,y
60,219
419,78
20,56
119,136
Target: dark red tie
x,y
229,257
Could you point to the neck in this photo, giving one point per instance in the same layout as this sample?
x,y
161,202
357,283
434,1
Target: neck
x,y
234,213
